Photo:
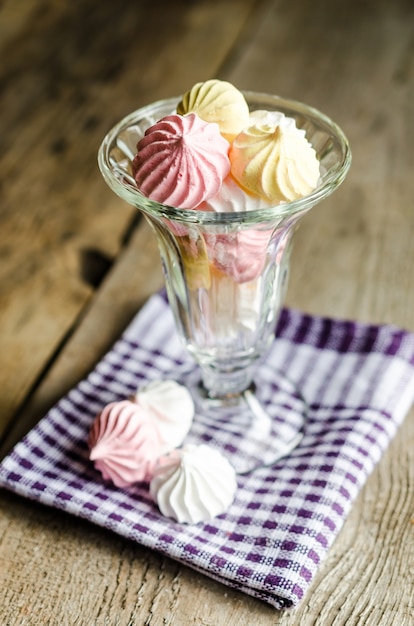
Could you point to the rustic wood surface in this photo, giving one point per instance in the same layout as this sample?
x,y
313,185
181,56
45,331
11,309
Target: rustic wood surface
x,y
76,265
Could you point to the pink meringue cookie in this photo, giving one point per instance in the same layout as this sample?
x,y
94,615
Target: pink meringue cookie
x,y
181,161
124,443
241,255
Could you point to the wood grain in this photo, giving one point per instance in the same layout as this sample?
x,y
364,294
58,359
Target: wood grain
x,y
76,265
136,275
66,66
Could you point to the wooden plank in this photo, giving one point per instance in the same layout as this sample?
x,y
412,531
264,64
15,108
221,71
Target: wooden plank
x,y
353,258
71,71
357,68
136,275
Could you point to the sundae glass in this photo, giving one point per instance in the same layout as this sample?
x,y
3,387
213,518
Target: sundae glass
x,y
226,275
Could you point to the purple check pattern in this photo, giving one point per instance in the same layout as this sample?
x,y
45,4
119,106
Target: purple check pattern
x,y
358,381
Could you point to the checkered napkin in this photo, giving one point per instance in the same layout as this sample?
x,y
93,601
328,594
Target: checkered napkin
x,y
358,381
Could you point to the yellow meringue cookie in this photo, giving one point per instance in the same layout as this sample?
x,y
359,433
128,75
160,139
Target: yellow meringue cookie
x,y
274,161
217,101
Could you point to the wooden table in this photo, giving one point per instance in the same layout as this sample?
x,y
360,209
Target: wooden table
x,y
77,263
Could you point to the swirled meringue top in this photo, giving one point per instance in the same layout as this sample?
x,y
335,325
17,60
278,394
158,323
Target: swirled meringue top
x,y
172,409
124,443
193,484
217,101
181,161
273,159
272,118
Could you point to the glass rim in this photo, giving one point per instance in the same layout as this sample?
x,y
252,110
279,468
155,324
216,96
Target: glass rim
x,y
132,195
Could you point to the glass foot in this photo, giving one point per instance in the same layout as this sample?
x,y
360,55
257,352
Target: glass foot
x,y
253,429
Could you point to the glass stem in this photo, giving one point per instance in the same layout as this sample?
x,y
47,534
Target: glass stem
x,y
219,384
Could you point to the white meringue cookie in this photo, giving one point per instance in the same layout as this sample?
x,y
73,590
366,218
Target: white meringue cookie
x,y
172,407
193,484
271,118
231,198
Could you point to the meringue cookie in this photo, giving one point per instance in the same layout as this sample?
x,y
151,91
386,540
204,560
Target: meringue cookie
x,y
193,484
217,101
181,161
241,255
231,198
172,410
272,118
196,265
274,161
124,443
